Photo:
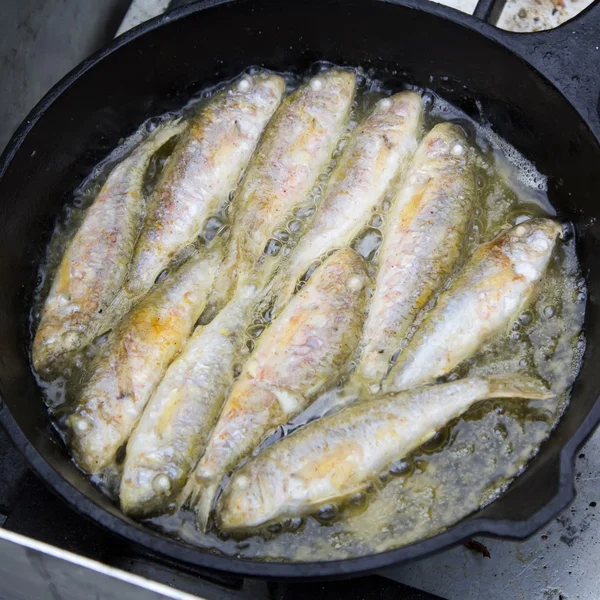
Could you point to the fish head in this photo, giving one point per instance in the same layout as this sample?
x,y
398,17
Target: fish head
x,y
333,85
403,104
144,488
448,140
251,499
530,244
55,344
90,438
263,85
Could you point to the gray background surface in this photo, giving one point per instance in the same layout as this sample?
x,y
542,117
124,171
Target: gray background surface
x,y
42,40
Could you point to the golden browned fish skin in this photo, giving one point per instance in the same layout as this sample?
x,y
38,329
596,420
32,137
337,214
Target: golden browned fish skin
x,y
203,170
297,146
299,355
134,361
95,262
377,153
331,459
424,237
486,296
172,433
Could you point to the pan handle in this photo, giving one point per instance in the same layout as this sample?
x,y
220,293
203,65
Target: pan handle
x,y
568,55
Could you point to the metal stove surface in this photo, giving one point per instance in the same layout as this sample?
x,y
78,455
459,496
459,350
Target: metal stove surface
x,y
29,509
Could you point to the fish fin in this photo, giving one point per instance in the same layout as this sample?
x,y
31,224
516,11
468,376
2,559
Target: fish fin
x,y
188,496
165,131
199,498
326,404
517,386
204,505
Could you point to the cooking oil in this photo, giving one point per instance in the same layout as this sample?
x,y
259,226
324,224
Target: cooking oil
x,y
467,464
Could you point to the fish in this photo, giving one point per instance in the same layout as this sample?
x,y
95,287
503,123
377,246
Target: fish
x,y
484,299
377,153
94,265
205,167
133,361
296,148
300,354
330,460
161,452
425,233
172,432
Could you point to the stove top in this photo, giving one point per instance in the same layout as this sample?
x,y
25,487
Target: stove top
x,y
28,508
557,563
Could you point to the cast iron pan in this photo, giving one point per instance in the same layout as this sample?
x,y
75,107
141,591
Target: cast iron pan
x,y
540,91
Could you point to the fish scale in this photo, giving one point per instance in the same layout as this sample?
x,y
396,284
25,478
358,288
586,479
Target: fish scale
x,y
301,353
95,263
135,359
338,456
486,296
424,236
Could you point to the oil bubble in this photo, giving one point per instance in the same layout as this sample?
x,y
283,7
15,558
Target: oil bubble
x,y
161,276
327,513
358,499
295,225
384,476
305,211
293,524
282,235
273,247
428,100
212,228
402,468
368,243
376,221
501,431
256,330
525,318
437,442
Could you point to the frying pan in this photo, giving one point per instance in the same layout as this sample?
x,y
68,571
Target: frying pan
x,y
539,91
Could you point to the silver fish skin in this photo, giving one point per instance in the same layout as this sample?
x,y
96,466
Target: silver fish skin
x,y
377,153
204,169
297,146
424,237
486,296
331,459
134,360
172,433
299,355
94,265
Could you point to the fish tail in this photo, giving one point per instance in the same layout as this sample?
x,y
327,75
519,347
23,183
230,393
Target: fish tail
x,y
203,506
517,386
326,404
199,498
165,131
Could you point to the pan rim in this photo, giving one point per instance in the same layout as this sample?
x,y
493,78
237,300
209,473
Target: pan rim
x,y
162,546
